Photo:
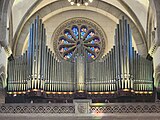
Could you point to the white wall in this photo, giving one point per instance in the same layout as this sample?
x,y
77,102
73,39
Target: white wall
x,y
19,9
140,8
106,24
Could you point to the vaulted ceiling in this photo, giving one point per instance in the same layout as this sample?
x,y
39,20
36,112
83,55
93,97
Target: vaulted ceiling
x,y
105,12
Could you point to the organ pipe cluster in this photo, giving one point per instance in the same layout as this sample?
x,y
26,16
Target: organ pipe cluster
x,y
38,69
122,69
101,75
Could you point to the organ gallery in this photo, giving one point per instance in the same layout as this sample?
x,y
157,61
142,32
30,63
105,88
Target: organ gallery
x,y
77,68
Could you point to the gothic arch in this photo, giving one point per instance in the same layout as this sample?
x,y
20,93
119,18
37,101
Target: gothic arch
x,y
55,6
155,7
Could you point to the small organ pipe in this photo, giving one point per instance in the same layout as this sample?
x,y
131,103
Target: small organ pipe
x,y
49,71
9,74
19,73
16,75
19,78
63,85
64,74
52,78
58,76
54,73
23,73
107,72
112,62
113,68
57,87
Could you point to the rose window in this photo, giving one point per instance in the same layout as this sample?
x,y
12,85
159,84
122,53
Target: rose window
x,y
79,37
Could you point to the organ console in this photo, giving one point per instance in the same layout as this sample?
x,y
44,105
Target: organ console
x,y
39,73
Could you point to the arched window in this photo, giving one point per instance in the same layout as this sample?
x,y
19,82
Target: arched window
x,y
79,36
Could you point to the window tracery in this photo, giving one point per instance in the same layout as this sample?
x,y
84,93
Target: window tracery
x,y
79,36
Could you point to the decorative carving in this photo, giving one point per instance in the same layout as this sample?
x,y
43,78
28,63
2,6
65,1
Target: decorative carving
x,y
34,108
144,108
82,108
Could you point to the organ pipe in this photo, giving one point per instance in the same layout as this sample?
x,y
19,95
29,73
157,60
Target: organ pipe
x,y
39,69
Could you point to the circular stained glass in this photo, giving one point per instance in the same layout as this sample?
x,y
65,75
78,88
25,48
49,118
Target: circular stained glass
x,y
79,36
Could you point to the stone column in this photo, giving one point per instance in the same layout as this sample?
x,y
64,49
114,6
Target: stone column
x,y
154,49
2,92
2,83
156,63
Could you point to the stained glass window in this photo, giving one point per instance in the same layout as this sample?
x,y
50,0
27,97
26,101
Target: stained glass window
x,y
79,39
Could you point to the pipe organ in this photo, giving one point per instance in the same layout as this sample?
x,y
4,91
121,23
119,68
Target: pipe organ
x,y
122,69
39,71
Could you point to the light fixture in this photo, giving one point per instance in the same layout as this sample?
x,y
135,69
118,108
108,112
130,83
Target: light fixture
x,y
80,2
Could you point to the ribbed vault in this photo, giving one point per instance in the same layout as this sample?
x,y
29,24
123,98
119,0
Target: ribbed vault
x,y
103,7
